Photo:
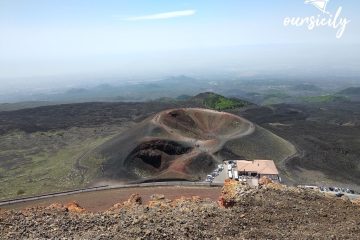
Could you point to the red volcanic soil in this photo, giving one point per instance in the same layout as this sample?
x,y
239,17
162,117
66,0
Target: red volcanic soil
x,y
103,200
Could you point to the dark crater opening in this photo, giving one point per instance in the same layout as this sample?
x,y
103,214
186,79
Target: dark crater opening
x,y
150,157
168,147
155,155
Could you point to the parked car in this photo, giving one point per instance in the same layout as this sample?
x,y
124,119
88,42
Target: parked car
x,y
339,194
236,176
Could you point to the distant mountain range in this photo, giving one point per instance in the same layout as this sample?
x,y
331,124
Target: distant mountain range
x,y
258,91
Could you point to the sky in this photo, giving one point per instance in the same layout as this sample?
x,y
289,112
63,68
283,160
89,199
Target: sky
x,y
42,41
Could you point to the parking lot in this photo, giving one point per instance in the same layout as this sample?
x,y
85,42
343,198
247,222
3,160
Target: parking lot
x,y
221,177
219,174
338,191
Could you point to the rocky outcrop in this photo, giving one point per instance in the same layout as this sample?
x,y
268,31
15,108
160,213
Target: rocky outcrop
x,y
133,201
72,207
356,201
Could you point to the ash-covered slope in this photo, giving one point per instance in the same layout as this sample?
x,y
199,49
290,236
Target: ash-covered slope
x,y
186,144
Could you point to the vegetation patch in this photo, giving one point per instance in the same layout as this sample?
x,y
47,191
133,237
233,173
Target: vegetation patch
x,y
218,102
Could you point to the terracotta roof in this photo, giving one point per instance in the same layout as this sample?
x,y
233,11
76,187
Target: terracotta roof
x,y
258,166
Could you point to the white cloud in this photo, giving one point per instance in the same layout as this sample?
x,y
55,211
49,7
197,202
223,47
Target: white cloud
x,y
165,15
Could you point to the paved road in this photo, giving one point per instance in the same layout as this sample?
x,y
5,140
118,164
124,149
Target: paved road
x,y
222,176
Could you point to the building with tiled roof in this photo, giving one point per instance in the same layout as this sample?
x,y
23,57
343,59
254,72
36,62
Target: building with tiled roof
x,y
257,168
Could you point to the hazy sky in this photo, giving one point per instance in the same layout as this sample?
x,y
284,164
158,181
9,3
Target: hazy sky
x,y
102,37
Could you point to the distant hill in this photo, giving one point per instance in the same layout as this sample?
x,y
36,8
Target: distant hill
x,y
207,99
24,105
218,102
351,91
325,99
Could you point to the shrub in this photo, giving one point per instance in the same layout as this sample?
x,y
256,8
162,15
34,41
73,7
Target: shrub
x,y
20,192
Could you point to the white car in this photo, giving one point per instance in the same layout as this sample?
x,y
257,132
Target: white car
x,y
230,174
236,175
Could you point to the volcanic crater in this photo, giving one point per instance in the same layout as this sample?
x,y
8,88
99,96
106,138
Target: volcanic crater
x,y
182,144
